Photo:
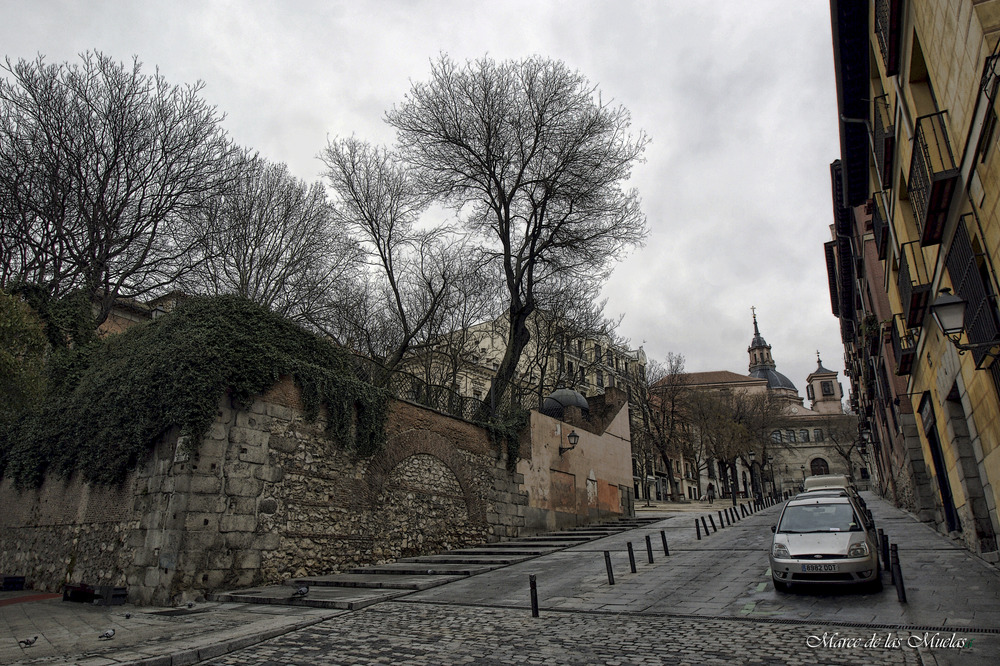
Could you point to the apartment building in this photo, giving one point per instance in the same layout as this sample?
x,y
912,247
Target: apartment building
x,y
916,234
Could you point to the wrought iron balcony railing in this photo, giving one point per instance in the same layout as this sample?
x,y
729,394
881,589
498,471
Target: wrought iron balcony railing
x,y
880,226
933,176
904,345
968,270
884,145
888,16
914,283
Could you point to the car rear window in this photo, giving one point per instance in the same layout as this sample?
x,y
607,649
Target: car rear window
x,y
825,517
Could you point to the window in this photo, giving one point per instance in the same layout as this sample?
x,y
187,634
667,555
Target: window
x,y
818,466
828,388
598,353
804,435
791,436
809,392
818,435
776,436
600,379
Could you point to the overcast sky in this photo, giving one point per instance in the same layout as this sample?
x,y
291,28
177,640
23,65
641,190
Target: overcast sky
x,y
738,98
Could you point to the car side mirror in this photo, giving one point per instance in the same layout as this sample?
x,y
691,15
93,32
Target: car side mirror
x,y
774,528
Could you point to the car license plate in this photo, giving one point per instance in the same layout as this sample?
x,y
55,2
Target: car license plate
x,y
819,567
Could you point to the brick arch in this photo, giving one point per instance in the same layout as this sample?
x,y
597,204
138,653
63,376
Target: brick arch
x,y
424,442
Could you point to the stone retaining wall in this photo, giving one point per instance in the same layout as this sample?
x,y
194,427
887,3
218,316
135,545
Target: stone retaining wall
x,y
264,497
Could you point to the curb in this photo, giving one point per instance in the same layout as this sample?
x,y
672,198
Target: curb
x,y
199,654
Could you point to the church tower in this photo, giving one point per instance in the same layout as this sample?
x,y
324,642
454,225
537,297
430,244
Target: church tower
x,y
762,366
824,390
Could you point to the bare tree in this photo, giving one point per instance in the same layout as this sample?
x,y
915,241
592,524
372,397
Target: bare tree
x,y
842,432
659,413
412,270
732,424
273,241
102,172
534,159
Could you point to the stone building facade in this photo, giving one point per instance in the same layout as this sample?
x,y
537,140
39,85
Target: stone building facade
x,y
916,214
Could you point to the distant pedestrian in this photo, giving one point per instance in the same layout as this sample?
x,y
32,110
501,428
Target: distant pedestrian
x,y
711,493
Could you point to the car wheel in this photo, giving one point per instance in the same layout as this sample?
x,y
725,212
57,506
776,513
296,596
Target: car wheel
x,y
779,586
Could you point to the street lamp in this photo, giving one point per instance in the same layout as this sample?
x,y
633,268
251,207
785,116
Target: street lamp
x,y
948,311
573,439
753,480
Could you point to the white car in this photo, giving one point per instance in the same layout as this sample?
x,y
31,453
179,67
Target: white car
x,y
823,539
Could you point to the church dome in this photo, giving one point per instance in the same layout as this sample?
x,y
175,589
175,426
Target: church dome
x,y
775,380
560,399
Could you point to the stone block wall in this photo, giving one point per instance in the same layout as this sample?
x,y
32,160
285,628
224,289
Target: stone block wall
x,y
265,496
66,532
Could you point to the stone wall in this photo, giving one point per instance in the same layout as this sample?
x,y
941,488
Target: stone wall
x,y
66,532
264,497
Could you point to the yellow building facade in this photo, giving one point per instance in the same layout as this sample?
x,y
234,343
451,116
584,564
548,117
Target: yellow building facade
x,y
916,207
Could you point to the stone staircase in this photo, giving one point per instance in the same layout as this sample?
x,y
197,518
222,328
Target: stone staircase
x,y
364,586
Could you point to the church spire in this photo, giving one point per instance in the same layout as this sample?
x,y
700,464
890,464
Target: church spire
x,y
759,350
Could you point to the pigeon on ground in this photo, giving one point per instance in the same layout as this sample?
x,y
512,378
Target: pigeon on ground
x,y
128,615
301,592
107,635
190,604
28,642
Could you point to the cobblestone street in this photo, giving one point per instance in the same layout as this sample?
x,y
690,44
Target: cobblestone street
x,y
709,602
420,633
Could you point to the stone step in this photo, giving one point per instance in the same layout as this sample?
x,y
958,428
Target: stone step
x,y
417,568
318,597
515,549
554,538
466,558
376,581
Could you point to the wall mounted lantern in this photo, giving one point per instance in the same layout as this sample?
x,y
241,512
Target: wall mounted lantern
x,y
574,439
948,311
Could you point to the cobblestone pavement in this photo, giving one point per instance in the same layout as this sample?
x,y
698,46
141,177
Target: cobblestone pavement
x,y
709,602
419,633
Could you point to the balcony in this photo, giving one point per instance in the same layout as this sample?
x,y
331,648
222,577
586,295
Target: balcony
x,y
884,144
914,283
933,176
981,315
880,226
904,345
888,16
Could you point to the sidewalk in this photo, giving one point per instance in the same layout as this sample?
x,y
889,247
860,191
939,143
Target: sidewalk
x,y
68,631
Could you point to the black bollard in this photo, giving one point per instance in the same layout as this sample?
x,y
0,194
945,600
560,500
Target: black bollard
x,y
697,528
712,520
897,575
534,595
649,549
883,542
663,536
704,526
722,523
631,557
607,563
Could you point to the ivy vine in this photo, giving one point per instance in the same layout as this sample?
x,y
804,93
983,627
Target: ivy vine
x,y
109,401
